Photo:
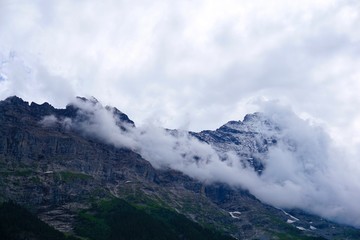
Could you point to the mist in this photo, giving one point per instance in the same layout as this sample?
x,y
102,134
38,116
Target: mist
x,y
305,169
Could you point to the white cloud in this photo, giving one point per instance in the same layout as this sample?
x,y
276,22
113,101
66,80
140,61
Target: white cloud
x,y
306,169
198,65
180,58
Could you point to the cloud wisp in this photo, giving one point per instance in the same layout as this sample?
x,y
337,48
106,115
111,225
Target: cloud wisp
x,y
305,169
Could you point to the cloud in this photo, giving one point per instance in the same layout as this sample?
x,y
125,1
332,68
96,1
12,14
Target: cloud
x,y
95,120
186,61
49,121
31,80
305,169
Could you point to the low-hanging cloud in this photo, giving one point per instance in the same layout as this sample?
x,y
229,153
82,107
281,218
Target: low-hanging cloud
x,y
308,170
305,169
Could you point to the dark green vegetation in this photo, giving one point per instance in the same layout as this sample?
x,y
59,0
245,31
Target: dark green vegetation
x,y
68,176
109,220
294,234
285,236
16,223
117,220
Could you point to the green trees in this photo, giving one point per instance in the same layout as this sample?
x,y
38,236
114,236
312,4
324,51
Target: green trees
x,y
118,220
17,223
109,220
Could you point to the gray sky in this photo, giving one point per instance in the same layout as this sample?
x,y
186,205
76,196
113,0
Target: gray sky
x,y
196,65
187,64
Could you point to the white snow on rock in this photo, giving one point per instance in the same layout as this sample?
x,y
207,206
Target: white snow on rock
x,y
301,228
235,214
312,227
291,216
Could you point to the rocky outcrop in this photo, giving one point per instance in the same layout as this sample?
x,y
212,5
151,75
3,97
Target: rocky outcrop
x,y
250,139
57,170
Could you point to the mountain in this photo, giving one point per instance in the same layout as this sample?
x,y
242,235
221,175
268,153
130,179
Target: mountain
x,y
248,139
59,164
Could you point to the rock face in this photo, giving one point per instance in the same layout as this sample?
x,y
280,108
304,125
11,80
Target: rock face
x,y
56,171
50,167
249,139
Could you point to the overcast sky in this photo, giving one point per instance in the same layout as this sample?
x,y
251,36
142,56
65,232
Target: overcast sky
x,y
196,65
187,64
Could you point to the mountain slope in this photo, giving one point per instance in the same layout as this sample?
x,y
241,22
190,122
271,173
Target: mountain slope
x,y
49,163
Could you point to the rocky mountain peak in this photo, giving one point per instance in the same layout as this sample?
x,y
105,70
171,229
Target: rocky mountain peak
x,y
256,116
15,102
20,106
250,139
19,111
252,123
121,118
92,99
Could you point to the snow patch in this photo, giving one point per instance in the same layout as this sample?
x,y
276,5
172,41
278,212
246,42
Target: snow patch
x,y
301,228
312,228
235,214
291,216
290,221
